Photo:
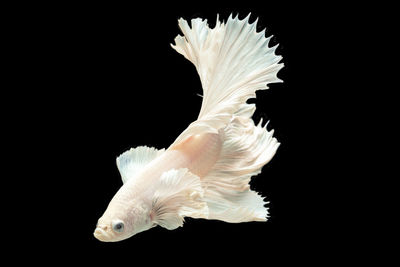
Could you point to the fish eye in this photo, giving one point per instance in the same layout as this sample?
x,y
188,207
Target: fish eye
x,y
118,226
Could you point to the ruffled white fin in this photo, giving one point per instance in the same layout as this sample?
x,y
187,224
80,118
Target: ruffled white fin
x,y
236,207
132,161
233,61
246,149
179,194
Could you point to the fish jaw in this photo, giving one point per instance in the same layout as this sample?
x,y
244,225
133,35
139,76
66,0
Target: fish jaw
x,y
101,235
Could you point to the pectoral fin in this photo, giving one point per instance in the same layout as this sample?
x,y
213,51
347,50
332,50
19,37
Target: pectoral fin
x,y
179,194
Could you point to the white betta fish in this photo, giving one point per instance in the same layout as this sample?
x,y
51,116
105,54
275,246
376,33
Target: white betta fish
x,y
206,172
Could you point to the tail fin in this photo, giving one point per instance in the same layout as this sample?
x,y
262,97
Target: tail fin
x,y
233,61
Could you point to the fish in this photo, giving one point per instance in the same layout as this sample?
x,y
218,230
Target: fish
x,y
205,172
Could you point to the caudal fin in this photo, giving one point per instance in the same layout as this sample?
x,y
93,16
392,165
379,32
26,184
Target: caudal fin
x,y
233,61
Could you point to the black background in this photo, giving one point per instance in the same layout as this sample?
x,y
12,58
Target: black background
x,y
106,80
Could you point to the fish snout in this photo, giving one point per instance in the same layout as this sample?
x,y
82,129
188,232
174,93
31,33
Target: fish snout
x,y
101,234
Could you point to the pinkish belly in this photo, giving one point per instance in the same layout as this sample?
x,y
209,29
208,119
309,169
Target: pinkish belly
x,y
198,153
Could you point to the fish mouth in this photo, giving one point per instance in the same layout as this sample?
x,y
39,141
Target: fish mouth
x,y
101,235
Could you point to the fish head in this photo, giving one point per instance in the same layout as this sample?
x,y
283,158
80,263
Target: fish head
x,y
120,222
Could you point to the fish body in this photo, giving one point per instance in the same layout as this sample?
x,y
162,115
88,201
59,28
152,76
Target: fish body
x,y
205,173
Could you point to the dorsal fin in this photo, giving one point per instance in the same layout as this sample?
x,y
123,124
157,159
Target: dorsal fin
x,y
133,160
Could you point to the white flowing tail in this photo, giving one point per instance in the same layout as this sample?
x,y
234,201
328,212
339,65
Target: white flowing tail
x,y
233,61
